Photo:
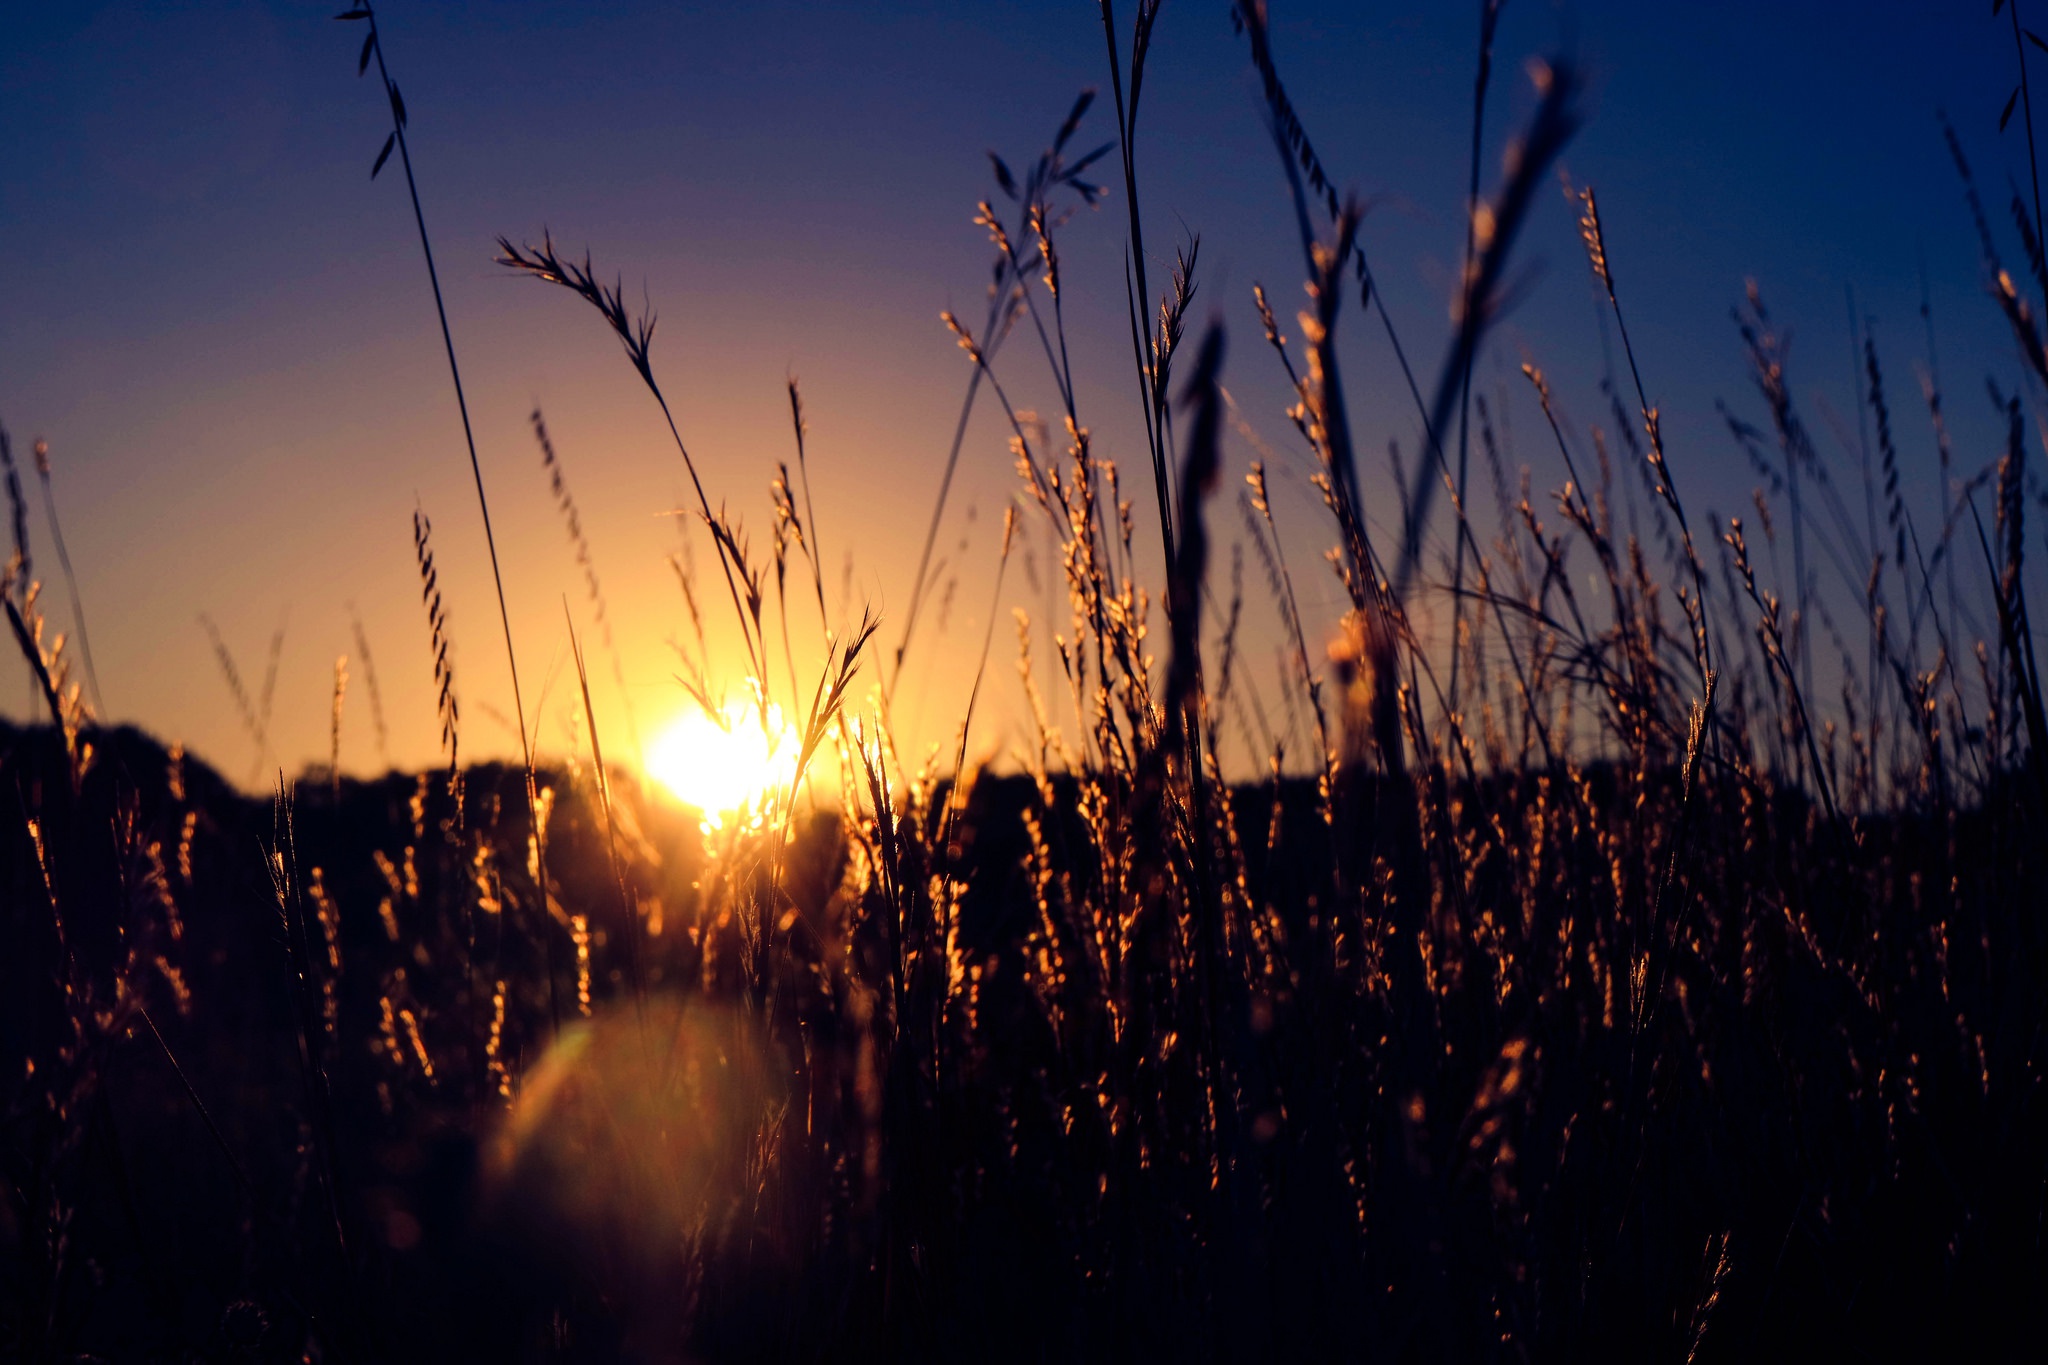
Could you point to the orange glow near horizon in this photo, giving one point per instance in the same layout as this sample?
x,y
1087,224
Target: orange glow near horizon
x,y
735,764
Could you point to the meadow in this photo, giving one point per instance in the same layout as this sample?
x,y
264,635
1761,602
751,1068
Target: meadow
x,y
1645,958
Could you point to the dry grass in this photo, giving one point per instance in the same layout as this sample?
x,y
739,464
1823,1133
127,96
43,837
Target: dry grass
x,y
1620,995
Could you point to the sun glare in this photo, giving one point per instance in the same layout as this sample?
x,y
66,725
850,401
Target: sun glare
x,y
727,765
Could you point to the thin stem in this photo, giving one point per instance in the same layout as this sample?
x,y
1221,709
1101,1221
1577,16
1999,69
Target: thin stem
x,y
1151,380
2040,261
92,676
1489,17
461,401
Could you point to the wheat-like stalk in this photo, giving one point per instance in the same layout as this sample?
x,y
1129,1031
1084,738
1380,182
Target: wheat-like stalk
x,y
437,634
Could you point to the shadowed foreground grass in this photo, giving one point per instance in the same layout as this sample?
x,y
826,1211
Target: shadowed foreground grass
x,y
833,1124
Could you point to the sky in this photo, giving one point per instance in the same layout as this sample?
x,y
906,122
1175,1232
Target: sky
x,y
223,326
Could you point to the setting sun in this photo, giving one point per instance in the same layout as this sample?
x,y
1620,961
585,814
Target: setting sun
x,y
726,763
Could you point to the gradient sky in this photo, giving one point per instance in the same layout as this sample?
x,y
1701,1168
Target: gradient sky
x,y
224,330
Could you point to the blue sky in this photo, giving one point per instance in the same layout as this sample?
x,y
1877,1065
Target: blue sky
x,y
223,328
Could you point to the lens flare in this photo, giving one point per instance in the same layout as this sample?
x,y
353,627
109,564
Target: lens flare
x,y
629,1153
728,766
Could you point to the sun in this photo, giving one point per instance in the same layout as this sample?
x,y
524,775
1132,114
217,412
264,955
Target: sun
x,y
727,765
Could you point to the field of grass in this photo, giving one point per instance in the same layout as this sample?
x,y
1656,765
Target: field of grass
x,y
1656,969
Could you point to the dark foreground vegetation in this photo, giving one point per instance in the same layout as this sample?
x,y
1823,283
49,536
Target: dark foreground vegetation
x,y
1591,983
1516,1110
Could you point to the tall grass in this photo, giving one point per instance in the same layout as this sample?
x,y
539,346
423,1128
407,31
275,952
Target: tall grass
x,y
1619,995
